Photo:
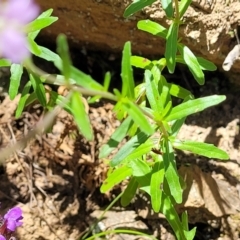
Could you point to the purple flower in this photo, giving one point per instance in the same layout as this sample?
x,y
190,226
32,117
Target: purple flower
x,y
14,14
2,237
13,217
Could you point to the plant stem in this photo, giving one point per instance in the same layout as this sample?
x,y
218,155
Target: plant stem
x,y
51,79
177,17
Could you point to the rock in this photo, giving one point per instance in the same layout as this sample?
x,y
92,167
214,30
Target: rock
x,y
120,220
206,198
99,24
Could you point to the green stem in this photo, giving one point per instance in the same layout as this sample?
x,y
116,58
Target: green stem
x,y
101,216
177,17
52,80
120,231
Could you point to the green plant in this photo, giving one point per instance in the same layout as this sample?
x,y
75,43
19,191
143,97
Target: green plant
x,y
150,121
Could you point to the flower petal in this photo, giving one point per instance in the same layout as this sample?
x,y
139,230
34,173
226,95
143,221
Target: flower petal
x,y
22,11
13,45
13,216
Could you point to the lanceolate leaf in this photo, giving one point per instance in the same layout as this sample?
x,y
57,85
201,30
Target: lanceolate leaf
x,y
139,167
152,92
204,64
127,74
168,209
63,51
141,62
192,63
40,23
115,177
136,114
33,47
136,6
116,138
194,106
180,92
171,47
129,192
171,173
38,89
129,147
183,6
81,116
167,7
25,94
45,14
16,74
204,149
153,28
155,187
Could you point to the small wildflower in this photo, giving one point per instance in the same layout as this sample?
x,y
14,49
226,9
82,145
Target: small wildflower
x,y
13,217
9,223
14,14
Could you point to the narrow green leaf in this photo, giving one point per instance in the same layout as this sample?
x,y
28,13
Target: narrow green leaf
x,y
62,101
185,221
144,183
116,138
139,167
194,106
49,55
183,6
206,65
136,6
106,81
190,234
22,101
171,173
141,62
63,51
39,24
84,80
192,63
129,147
31,98
33,47
38,89
115,177
46,13
127,74
177,126
178,91
80,116
140,151
168,209
153,28
129,192
166,111
152,93
203,149
5,62
167,7
157,179
137,115
171,47
16,74
163,87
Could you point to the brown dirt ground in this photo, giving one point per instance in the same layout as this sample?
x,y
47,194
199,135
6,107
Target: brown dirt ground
x,y
56,178
99,24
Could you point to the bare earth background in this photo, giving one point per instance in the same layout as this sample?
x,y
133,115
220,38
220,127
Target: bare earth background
x,y
56,178
99,24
